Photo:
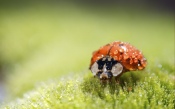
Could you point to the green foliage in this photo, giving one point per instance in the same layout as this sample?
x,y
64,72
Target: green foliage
x,y
41,44
143,93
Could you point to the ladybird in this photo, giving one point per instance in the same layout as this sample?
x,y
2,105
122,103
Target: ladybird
x,y
114,59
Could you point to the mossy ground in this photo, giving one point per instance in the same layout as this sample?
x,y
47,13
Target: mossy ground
x,y
138,91
46,49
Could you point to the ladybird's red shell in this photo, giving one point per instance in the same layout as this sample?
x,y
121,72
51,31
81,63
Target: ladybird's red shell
x,y
129,56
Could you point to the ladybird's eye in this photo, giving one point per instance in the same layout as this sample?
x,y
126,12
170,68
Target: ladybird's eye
x,y
100,64
117,69
94,68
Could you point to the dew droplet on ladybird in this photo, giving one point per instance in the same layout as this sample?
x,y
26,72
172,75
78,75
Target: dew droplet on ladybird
x,y
116,52
131,61
121,50
136,53
116,58
125,56
120,58
140,52
133,56
135,60
138,65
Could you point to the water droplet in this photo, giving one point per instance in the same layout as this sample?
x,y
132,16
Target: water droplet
x,y
115,52
131,61
125,56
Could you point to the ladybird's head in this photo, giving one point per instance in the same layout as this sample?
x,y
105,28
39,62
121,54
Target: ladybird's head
x,y
105,68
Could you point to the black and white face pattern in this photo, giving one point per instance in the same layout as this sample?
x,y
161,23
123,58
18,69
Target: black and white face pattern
x,y
106,68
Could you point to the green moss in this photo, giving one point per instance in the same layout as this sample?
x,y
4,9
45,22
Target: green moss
x,y
145,92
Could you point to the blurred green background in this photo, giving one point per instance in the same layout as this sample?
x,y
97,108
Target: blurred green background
x,y
45,40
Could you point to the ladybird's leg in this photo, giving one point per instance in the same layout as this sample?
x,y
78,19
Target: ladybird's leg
x,y
117,78
103,83
110,80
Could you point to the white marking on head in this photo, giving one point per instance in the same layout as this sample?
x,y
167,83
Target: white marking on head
x,y
117,69
94,68
104,69
103,59
109,59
